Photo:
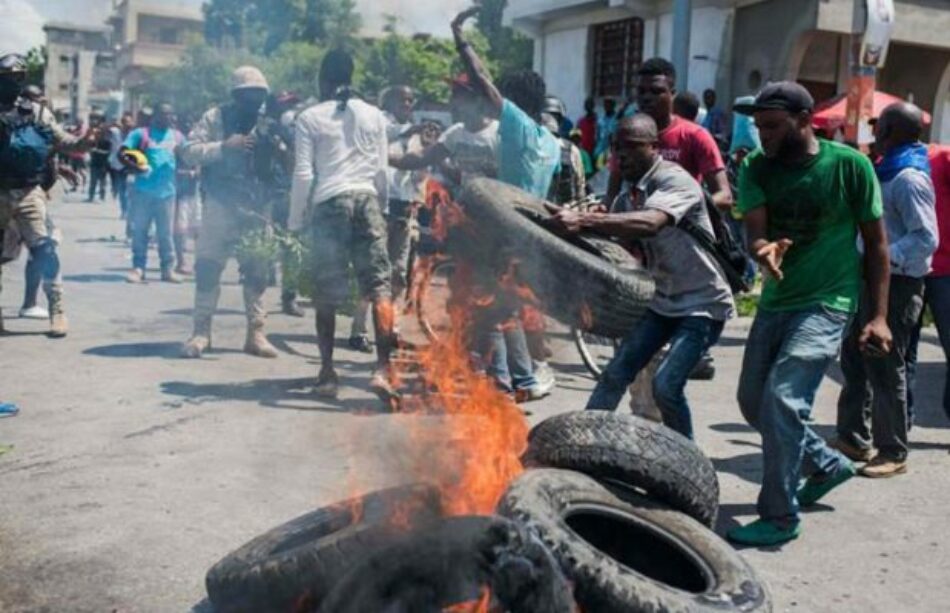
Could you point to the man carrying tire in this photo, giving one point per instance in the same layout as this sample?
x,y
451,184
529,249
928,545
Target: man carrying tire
x,y
528,158
804,201
692,300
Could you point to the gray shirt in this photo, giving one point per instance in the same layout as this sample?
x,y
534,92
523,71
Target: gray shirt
x,y
911,219
689,282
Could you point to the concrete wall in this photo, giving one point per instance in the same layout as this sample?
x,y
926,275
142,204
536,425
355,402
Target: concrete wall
x,y
563,50
920,73
771,41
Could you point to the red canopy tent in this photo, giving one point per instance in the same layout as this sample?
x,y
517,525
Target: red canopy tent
x,y
831,114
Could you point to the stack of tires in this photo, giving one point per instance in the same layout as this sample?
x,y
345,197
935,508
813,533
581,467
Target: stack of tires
x,y
627,507
613,514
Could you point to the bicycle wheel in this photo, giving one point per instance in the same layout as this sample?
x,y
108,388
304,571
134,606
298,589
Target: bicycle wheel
x,y
596,351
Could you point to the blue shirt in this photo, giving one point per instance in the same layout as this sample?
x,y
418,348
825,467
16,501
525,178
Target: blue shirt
x,y
528,154
159,182
910,217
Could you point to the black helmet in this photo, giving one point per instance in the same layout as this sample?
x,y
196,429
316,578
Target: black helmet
x,y
12,63
554,106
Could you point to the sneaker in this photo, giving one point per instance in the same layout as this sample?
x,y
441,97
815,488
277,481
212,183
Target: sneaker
x,y
34,312
545,375
136,275
852,452
290,307
704,370
381,385
536,392
816,487
361,343
184,271
170,276
881,468
327,386
764,533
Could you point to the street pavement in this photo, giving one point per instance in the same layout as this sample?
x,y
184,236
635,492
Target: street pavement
x,y
133,471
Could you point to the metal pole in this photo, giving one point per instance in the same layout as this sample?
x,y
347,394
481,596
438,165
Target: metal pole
x,y
682,15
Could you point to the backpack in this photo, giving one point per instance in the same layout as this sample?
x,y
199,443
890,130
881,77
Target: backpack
x,y
25,149
723,246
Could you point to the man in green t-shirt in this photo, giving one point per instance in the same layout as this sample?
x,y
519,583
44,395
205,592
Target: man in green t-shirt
x,y
804,201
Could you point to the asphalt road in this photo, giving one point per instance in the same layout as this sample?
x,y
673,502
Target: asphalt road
x,y
133,471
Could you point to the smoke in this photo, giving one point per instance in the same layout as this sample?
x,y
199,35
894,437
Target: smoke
x,y
423,16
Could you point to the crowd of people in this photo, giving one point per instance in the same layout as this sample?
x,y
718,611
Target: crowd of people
x,y
850,246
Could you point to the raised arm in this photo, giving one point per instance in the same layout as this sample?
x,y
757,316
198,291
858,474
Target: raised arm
x,y
474,66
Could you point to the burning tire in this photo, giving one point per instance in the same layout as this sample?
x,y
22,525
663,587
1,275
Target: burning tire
x,y
450,562
630,452
571,277
300,561
626,557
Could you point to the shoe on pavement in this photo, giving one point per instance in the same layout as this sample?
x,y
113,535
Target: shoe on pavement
x,y
544,374
816,487
764,533
852,452
136,275
705,370
361,343
327,386
256,344
195,346
170,276
184,271
381,385
34,312
58,325
883,467
535,392
290,307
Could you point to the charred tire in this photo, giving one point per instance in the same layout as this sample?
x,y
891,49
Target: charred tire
x,y
628,557
301,560
448,562
632,453
576,284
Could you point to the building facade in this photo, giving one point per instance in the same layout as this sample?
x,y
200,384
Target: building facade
x,y
80,73
150,35
592,47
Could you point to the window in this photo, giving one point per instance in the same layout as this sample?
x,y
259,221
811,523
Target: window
x,y
618,52
168,36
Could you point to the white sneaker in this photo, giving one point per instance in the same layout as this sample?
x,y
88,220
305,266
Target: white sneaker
x,y
544,375
34,312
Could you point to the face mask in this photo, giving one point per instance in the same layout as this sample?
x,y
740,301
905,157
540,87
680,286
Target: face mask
x,y
9,90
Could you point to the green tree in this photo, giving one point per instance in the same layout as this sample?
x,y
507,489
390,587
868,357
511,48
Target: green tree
x,y
511,50
36,65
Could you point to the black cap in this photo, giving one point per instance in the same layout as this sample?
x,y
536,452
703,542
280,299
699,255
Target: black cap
x,y
782,96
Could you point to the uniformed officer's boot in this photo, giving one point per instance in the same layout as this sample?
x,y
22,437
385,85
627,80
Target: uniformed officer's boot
x,y
256,343
200,341
58,325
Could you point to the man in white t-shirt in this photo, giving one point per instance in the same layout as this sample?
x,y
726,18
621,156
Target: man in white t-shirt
x,y
341,153
470,146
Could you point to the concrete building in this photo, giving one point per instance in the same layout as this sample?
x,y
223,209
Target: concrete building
x,y
80,72
150,35
585,47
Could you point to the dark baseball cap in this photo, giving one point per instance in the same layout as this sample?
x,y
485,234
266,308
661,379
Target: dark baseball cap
x,y
781,96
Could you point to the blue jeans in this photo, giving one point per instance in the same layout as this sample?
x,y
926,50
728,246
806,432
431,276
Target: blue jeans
x,y
509,361
689,338
146,209
786,356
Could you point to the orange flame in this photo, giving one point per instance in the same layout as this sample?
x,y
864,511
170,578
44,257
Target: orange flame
x,y
472,606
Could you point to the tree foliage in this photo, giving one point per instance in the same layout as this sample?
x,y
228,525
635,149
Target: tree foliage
x,y
263,26
510,49
36,65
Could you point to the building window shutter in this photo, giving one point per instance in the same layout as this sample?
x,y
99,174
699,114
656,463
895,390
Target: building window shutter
x,y
618,53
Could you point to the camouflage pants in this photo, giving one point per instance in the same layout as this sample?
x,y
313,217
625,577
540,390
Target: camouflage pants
x,y
348,229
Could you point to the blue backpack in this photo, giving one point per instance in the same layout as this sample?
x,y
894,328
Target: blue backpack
x,y
25,148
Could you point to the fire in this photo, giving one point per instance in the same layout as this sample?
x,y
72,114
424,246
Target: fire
x,y
473,606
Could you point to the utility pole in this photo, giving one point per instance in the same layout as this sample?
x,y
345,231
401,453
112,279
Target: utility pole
x,y
682,17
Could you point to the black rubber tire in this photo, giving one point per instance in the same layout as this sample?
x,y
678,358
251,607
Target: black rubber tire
x,y
630,452
574,282
301,560
448,562
638,556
